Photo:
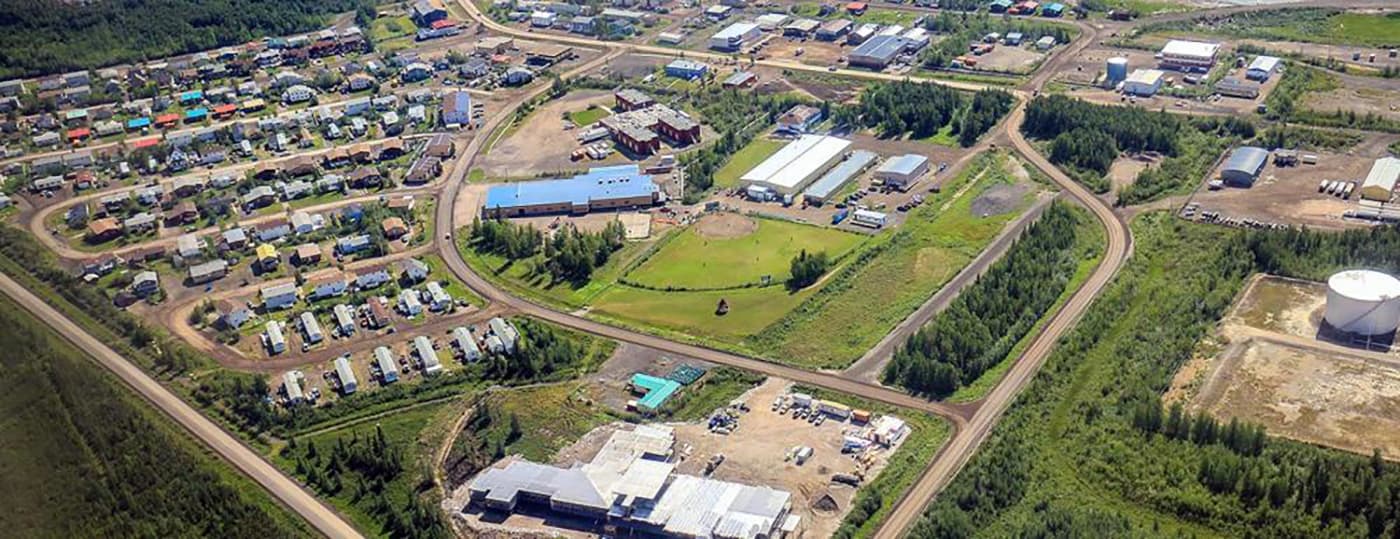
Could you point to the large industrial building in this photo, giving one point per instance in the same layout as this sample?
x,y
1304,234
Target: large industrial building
x,y
735,36
796,165
1380,183
602,188
877,52
1363,302
1188,55
1243,166
631,484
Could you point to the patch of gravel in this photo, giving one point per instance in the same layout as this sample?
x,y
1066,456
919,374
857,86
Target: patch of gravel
x,y
998,199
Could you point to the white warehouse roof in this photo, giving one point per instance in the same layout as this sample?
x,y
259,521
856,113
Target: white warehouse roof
x,y
1380,183
796,162
1264,63
1146,76
735,30
1190,49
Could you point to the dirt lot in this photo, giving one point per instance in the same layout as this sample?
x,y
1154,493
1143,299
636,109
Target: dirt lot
x,y
1289,194
610,383
1319,50
1088,67
754,455
1126,169
633,66
1267,365
1342,401
1009,59
535,146
814,52
1363,95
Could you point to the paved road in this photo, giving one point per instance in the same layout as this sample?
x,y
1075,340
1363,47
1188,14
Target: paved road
x,y
320,516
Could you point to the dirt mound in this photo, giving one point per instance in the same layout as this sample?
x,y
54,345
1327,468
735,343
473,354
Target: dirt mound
x,y
725,226
825,503
998,199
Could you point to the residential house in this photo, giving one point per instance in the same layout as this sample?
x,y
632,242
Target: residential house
x,y
279,296
208,271
307,254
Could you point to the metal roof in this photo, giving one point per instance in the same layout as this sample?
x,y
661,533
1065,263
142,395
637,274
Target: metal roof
x,y
840,174
884,47
622,181
1190,49
1246,159
1384,173
735,30
796,161
1266,64
903,165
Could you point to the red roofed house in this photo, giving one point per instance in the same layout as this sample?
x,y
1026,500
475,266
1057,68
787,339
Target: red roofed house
x,y
167,120
144,143
224,111
80,133
856,8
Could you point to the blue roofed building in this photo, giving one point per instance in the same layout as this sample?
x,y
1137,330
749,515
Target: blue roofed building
x,y
1054,9
602,188
686,69
877,52
138,123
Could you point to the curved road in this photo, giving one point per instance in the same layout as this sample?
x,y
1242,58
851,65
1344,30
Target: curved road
x,y
969,431
320,516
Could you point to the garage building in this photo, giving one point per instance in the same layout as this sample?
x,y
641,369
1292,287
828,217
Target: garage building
x,y
1144,82
796,165
735,36
902,171
1243,166
1380,183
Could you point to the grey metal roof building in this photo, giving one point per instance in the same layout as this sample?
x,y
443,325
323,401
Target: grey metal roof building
x,y
631,483
1244,165
902,170
821,190
877,52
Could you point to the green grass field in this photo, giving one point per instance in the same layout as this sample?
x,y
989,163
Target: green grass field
x,y
928,250
517,275
695,261
693,313
744,159
550,416
887,16
588,116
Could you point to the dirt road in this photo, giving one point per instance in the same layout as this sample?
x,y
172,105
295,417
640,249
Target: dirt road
x,y
320,516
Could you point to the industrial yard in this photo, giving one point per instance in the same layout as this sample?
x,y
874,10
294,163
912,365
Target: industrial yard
x,y
1276,362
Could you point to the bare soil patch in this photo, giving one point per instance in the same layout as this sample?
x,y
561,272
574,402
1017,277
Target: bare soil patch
x,y
999,199
725,225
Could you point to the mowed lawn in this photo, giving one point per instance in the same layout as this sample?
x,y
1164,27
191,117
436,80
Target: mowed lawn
x,y
695,261
744,159
693,313
588,116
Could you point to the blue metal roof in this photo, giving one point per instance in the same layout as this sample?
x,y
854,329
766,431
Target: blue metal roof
x,y
191,95
136,123
619,181
882,47
196,113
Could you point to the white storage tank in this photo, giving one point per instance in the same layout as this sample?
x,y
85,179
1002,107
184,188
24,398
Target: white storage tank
x,y
1363,302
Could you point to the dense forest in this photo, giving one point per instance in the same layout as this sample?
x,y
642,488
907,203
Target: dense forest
x,y
1082,453
921,110
980,327
84,458
569,256
39,37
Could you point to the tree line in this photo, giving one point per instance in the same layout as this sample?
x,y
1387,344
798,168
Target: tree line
x,y
921,110
1096,405
107,463
362,468
980,327
46,37
568,256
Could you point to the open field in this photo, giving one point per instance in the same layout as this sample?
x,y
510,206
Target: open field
x,y
588,115
1360,95
746,158
726,249
693,313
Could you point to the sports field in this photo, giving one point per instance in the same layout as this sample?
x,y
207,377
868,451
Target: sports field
x,y
745,159
693,313
727,250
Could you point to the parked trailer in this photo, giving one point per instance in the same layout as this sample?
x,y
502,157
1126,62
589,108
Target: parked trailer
x,y
1322,186
1346,192
839,216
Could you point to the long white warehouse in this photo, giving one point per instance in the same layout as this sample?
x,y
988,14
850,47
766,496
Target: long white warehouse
x,y
796,165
